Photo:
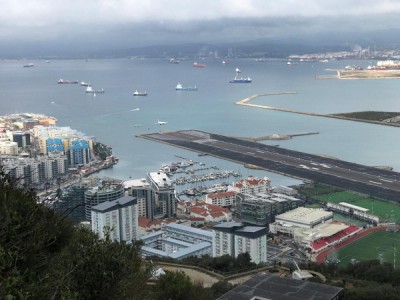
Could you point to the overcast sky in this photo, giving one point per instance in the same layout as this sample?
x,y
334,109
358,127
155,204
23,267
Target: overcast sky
x,y
131,23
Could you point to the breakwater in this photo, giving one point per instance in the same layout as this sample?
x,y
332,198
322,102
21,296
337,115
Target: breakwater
x,y
245,102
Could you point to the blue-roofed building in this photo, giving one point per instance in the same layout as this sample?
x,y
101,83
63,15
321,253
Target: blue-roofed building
x,y
54,145
79,153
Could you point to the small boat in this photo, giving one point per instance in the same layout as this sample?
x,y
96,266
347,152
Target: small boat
x,y
30,65
238,70
84,83
179,87
174,61
89,89
63,81
197,65
224,62
136,93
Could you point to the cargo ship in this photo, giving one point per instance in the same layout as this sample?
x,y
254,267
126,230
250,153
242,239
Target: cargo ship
x,y
137,93
179,87
90,90
63,81
197,65
240,79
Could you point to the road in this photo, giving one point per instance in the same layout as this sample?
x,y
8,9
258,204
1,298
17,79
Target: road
x,y
347,175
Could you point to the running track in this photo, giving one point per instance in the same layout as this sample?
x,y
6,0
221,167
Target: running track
x,y
320,258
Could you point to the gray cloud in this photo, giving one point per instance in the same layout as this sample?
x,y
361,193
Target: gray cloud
x,y
129,23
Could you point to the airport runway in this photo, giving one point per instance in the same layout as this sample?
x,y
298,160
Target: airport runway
x,y
350,176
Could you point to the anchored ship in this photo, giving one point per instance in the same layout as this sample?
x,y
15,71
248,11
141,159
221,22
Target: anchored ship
x,y
136,93
179,87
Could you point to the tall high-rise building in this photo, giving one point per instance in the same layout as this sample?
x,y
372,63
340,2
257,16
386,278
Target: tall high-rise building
x,y
163,198
155,194
70,203
118,219
23,139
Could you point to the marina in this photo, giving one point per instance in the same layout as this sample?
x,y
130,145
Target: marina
x,y
194,178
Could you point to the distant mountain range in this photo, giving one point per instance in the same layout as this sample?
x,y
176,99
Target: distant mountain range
x,y
254,48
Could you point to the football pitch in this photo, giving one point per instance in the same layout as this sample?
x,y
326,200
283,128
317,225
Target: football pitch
x,y
381,245
386,211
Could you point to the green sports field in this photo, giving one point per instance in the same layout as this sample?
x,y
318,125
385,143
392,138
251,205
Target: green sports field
x,y
377,245
386,211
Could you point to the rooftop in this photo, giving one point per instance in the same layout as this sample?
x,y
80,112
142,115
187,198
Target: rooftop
x,y
304,215
267,286
189,229
160,178
113,205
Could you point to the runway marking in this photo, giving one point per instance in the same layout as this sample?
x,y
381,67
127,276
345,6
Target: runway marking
x,y
374,182
386,180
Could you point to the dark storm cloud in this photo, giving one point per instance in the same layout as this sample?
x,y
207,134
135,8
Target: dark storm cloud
x,y
93,24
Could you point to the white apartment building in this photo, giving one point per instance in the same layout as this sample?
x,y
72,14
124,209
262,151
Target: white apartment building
x,y
251,185
234,238
252,239
221,199
8,147
120,217
224,238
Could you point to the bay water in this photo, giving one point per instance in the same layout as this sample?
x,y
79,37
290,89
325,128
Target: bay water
x,y
117,117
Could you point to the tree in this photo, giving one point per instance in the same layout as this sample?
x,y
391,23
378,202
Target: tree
x,y
30,235
219,288
174,285
43,256
102,269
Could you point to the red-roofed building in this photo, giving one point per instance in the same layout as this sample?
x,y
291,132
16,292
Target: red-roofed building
x,y
196,221
221,199
211,213
251,185
146,225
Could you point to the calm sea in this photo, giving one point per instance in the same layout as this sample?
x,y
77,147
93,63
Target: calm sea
x,y
113,117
